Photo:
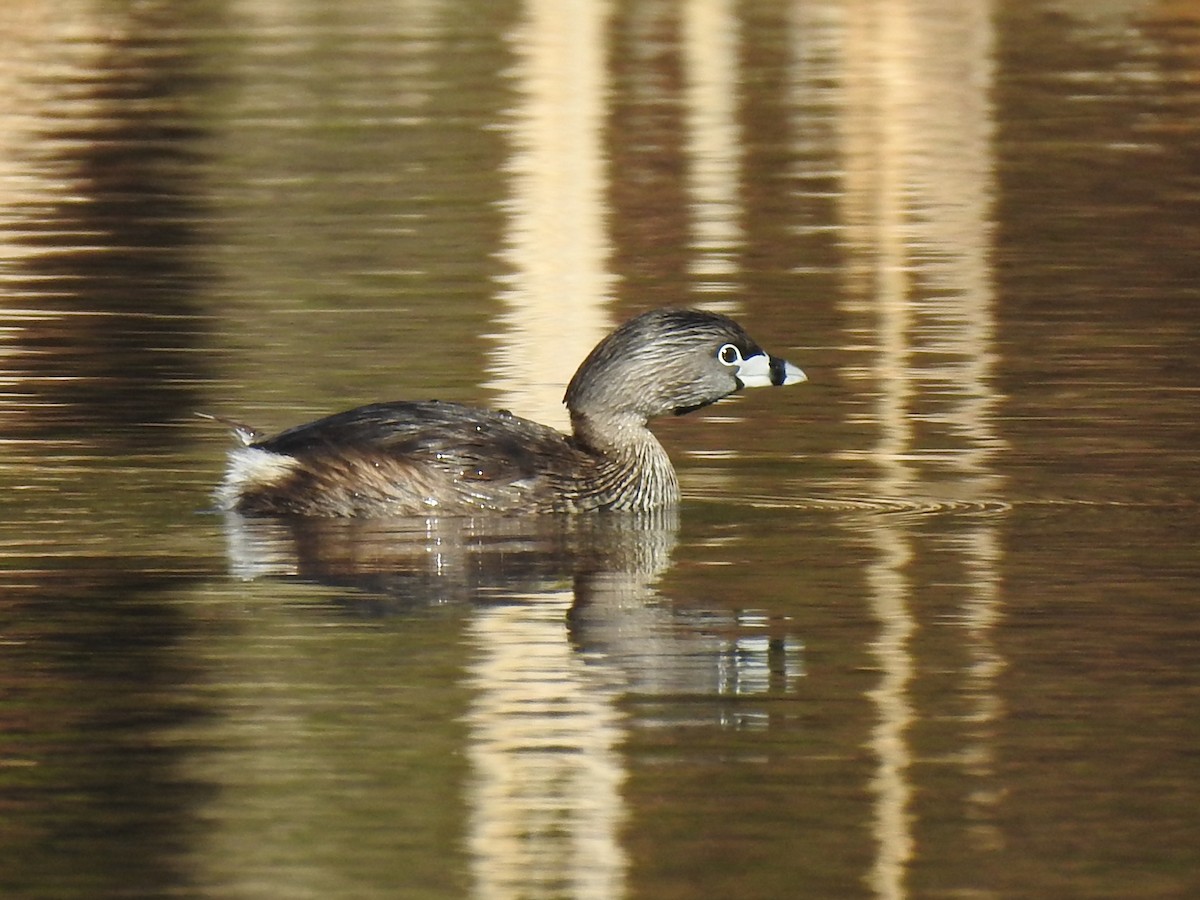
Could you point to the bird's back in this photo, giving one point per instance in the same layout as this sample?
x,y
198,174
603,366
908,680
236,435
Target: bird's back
x,y
407,458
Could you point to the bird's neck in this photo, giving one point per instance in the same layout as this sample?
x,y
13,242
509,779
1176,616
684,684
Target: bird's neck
x,y
633,471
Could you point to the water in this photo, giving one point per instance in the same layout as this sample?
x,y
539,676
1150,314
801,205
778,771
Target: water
x,y
924,626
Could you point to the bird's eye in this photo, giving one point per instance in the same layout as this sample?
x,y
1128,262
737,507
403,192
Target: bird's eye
x,y
729,355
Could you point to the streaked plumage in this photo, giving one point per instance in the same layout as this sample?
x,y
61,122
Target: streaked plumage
x,y
430,457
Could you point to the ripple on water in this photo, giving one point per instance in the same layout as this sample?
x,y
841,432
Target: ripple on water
x,y
938,505
898,505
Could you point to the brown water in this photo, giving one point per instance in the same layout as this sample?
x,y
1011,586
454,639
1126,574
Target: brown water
x,y
925,626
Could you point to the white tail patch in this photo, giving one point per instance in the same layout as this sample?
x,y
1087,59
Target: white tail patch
x,y
252,469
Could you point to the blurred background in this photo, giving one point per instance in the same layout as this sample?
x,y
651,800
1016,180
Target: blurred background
x,y
924,626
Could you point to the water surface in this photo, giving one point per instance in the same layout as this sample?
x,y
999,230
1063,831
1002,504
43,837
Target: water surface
x,y
924,626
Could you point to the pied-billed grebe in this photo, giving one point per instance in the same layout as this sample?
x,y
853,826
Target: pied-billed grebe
x,y
421,458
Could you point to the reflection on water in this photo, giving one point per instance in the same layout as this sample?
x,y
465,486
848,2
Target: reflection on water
x,y
709,38
919,190
569,624
545,736
100,213
927,629
543,725
557,242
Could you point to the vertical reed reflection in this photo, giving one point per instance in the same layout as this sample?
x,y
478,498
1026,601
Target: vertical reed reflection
x,y
545,734
556,244
99,129
710,39
100,143
916,123
545,731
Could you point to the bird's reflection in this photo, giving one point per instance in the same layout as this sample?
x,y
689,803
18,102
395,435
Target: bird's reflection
x,y
564,619
599,571
408,562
